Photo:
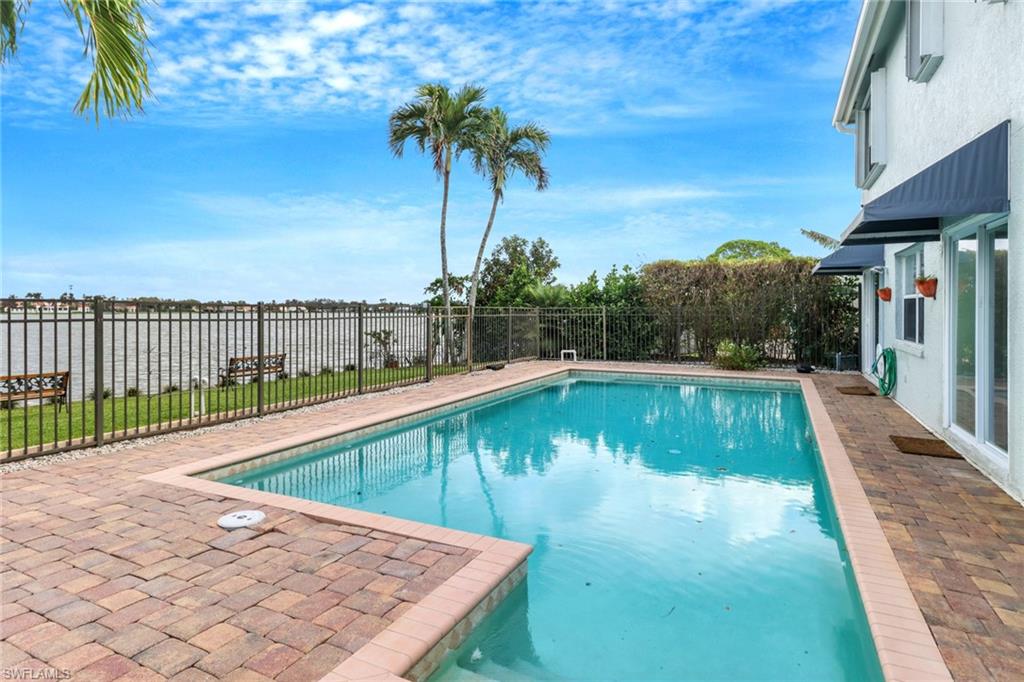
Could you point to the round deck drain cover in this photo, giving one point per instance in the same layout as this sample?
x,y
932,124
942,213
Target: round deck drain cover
x,y
241,519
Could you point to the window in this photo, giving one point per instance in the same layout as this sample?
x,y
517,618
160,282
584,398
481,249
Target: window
x,y
910,313
871,139
924,38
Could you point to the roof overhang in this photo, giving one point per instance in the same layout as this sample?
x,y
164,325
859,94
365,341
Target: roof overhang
x,y
851,260
876,27
971,180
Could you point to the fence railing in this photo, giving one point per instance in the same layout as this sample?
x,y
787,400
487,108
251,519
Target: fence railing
x,y
89,372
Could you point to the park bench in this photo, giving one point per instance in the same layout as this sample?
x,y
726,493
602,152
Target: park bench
x,y
249,366
40,386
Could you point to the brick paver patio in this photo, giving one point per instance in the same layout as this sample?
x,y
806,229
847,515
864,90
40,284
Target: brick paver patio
x,y
958,538
110,577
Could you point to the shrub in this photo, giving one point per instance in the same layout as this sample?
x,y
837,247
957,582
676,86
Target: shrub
x,y
132,392
92,394
282,375
350,367
171,388
729,355
305,374
325,370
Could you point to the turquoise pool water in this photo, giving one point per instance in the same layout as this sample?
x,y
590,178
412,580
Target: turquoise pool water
x,y
681,530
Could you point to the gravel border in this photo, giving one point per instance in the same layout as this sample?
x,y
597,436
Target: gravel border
x,y
42,461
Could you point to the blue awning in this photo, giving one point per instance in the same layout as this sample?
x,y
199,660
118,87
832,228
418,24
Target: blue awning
x,y
851,260
971,180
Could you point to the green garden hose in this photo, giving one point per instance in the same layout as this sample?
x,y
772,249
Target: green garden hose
x,y
887,377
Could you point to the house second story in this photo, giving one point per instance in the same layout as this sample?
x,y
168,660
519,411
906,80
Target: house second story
x,y
924,78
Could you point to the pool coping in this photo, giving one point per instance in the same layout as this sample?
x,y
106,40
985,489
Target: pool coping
x,y
904,643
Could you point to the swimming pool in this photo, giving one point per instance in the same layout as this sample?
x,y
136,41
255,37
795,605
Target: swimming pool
x,y
682,529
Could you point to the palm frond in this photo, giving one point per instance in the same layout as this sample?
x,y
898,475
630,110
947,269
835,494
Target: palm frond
x,y
12,18
821,238
114,33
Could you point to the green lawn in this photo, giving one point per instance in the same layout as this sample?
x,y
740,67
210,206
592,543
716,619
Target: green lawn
x,y
44,424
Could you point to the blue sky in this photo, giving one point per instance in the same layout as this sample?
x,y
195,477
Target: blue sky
x,y
260,170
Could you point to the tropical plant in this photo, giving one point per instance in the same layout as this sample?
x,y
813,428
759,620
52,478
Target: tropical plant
x,y
381,345
729,355
446,124
548,295
114,36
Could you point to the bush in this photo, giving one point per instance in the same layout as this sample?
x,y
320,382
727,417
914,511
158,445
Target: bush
x,y
325,370
132,392
350,367
729,355
92,394
171,388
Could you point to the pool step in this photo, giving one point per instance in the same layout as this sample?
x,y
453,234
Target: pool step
x,y
489,671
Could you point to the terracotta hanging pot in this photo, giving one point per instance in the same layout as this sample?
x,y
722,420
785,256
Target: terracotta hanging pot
x,y
927,286
885,293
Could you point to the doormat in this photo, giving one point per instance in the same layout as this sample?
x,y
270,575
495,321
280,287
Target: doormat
x,y
931,447
856,390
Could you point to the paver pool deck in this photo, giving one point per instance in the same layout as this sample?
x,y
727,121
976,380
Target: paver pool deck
x,y
109,575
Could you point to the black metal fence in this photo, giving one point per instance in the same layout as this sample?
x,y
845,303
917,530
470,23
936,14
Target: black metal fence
x,y
81,373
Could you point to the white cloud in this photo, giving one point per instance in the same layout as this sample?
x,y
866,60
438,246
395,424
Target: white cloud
x,y
345,20
578,68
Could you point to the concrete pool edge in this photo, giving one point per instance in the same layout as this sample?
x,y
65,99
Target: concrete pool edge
x,y
903,641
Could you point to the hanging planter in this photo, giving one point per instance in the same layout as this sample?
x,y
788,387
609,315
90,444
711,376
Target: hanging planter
x,y
885,293
927,286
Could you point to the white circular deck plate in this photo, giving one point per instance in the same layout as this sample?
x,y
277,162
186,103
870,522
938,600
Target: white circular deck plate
x,y
241,519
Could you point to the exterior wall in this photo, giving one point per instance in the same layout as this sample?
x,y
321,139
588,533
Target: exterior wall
x,y
979,84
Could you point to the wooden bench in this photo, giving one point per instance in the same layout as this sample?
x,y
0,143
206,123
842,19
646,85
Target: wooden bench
x,y
36,387
249,366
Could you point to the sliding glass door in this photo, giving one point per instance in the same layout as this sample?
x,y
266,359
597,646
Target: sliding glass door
x,y
978,332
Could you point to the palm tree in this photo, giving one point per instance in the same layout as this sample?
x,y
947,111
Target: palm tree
x,y
498,154
446,124
114,36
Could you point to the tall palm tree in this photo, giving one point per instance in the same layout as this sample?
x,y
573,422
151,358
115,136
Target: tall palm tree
x,y
114,35
500,152
446,124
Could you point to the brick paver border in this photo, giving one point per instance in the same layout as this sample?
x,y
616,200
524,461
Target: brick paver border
x,y
905,646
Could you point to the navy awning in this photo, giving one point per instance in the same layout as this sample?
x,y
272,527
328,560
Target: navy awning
x,y
971,180
851,260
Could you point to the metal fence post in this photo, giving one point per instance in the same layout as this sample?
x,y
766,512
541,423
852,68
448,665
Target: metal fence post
x,y
359,346
509,359
430,344
676,346
604,332
259,358
97,381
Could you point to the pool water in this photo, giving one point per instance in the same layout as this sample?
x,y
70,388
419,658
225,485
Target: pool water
x,y
681,529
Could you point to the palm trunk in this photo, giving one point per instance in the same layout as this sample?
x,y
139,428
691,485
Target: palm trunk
x,y
445,290
474,285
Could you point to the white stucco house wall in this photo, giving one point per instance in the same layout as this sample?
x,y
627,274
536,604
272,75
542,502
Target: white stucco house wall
x,y
924,80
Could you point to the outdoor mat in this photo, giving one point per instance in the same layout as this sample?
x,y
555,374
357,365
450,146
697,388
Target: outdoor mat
x,y
932,447
856,390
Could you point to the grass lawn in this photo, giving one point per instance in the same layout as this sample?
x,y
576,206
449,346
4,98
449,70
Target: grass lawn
x,y
37,424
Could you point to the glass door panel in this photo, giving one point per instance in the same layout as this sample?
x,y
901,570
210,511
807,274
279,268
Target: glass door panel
x,y
999,348
965,298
